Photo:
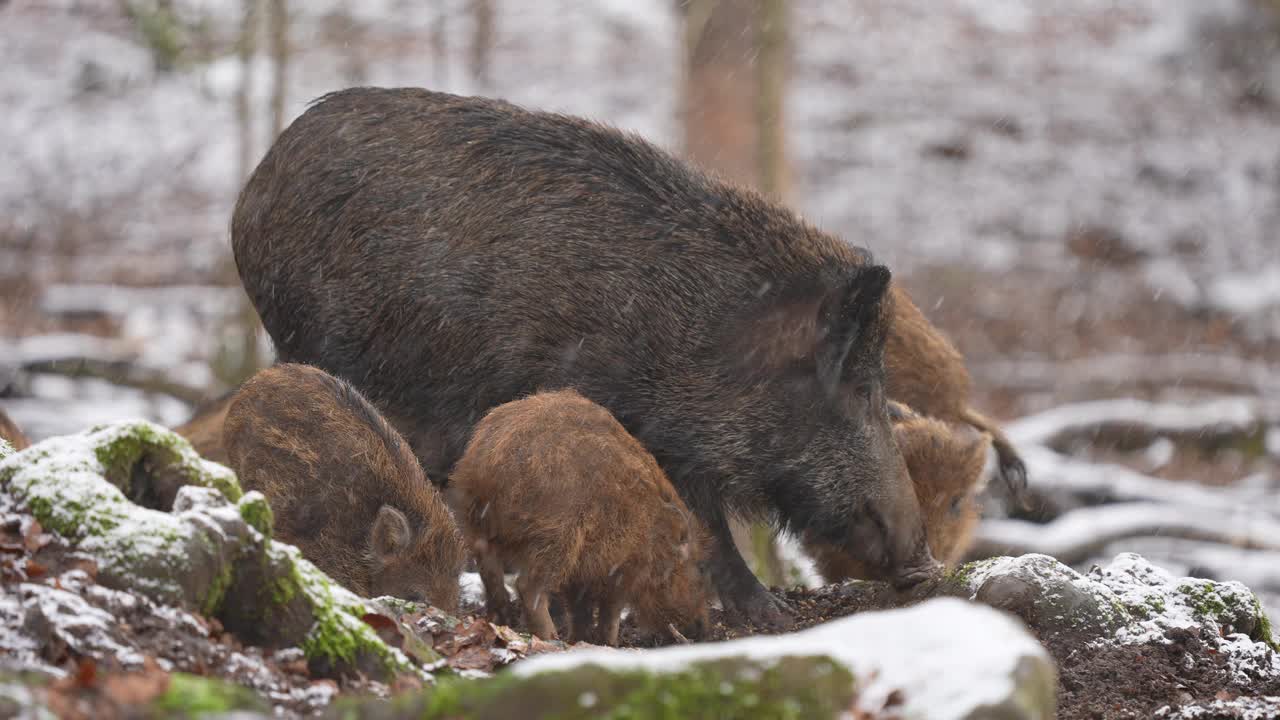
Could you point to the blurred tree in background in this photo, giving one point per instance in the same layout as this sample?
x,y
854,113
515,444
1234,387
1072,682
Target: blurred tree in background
x,y
736,64
240,352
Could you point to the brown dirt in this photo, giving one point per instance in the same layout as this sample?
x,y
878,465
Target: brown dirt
x,y
1137,680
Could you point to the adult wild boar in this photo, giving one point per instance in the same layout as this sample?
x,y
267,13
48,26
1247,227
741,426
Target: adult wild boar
x,y
946,463
449,254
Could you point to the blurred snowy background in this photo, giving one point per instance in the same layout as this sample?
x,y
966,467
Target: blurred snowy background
x,y
1084,194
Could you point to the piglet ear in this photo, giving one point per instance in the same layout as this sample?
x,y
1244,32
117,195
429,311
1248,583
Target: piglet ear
x,y
390,534
850,316
900,411
977,452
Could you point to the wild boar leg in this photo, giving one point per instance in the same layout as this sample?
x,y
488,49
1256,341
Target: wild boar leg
x,y
497,600
740,591
537,604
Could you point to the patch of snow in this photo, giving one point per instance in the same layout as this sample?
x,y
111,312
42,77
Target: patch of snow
x,y
72,620
794,557
1040,429
1246,293
472,588
946,656
1263,707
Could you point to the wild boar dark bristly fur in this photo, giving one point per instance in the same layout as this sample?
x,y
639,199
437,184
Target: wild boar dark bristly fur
x,y
448,254
204,429
554,487
344,486
10,431
946,463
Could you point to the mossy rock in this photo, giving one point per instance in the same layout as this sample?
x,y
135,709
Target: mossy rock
x,y
79,487
1130,598
1046,594
900,659
200,544
785,688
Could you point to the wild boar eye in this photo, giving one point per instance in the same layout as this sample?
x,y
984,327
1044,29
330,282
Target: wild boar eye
x,y
955,504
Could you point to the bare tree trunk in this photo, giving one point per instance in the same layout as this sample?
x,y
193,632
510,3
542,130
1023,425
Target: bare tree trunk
x,y
772,69
735,72
440,48
482,37
718,105
246,47
278,36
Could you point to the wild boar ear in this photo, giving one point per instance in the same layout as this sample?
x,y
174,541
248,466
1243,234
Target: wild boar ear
x,y
849,316
390,534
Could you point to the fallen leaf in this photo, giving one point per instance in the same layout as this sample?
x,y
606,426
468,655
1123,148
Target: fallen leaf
x,y
138,688
538,645
34,536
86,671
35,569
405,682
76,561
474,657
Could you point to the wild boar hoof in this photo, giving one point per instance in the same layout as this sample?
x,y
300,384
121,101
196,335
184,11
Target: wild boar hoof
x,y
917,575
765,610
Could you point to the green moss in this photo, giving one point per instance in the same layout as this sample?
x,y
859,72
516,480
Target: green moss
x,y
120,447
338,635
218,591
254,509
1263,631
190,696
787,688
65,483
966,574
1204,598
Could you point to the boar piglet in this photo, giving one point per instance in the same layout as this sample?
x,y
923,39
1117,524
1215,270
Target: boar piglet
x,y
204,428
554,487
10,431
343,485
947,464
927,373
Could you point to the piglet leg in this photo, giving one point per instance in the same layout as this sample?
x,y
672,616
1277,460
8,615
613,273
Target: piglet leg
x,y
497,600
610,610
537,605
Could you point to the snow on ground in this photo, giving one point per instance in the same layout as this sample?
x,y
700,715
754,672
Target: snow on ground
x,y
912,649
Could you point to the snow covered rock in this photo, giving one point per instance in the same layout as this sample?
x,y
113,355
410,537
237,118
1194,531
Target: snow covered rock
x,y
944,658
1128,601
160,521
